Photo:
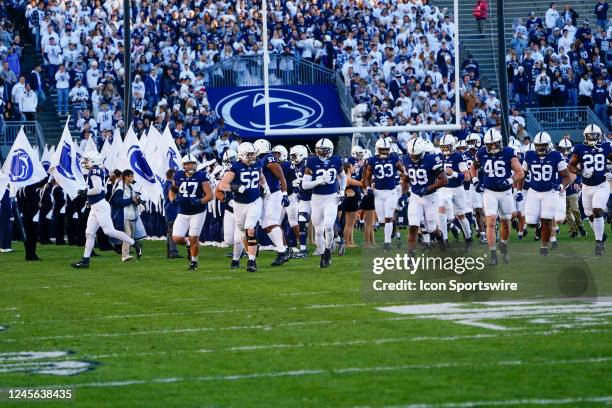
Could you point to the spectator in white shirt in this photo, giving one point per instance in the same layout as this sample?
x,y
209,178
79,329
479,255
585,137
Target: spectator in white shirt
x,y
62,84
53,55
93,75
28,103
18,90
105,118
138,86
79,96
552,15
585,88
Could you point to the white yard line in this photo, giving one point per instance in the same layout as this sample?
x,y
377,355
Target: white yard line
x,y
320,371
505,403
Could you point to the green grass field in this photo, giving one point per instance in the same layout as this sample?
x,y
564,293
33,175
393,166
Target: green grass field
x,y
157,335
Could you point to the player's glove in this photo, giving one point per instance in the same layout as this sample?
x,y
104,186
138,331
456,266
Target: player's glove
x,y
505,184
226,199
340,197
587,173
401,202
369,191
237,188
518,197
296,183
285,201
420,190
559,188
477,185
82,193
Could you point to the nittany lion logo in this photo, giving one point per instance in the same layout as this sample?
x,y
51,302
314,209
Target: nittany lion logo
x,y
289,109
139,164
21,166
172,159
65,163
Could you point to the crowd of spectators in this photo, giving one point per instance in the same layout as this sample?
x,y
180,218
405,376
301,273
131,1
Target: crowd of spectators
x,y
562,59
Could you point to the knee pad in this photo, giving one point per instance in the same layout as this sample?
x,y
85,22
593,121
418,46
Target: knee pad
x,y
251,239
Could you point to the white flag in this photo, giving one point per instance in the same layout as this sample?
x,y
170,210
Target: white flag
x,y
173,156
105,149
4,180
143,141
65,168
90,146
131,157
21,165
113,153
153,141
45,160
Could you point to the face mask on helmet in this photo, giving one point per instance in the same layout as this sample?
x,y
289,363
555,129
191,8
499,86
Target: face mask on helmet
x,y
384,152
190,168
592,138
494,148
542,149
323,152
447,150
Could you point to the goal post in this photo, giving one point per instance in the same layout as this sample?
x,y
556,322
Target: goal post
x,y
306,131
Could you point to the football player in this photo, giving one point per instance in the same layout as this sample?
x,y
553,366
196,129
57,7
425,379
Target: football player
x,y
100,212
452,196
592,156
193,191
231,234
298,155
501,169
325,176
244,179
281,154
380,172
573,216
545,191
272,204
474,142
424,173
521,224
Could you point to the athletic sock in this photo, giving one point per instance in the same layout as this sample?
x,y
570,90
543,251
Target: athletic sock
x,y
251,257
598,225
194,259
388,232
465,227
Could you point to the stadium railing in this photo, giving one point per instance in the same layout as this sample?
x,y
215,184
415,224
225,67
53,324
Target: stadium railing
x,y
32,130
559,121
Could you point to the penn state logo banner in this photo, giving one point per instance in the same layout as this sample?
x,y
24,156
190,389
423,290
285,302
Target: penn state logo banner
x,y
22,165
131,157
296,107
65,167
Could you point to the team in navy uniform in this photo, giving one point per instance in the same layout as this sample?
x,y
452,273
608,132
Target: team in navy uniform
x,y
192,190
100,211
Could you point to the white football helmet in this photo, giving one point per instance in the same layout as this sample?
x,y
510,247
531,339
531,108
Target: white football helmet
x,y
447,144
474,141
324,148
91,159
417,148
190,164
429,147
357,152
529,148
565,146
493,141
247,153
298,153
395,149
229,156
592,135
462,146
262,146
517,146
281,151
367,153
382,148
542,142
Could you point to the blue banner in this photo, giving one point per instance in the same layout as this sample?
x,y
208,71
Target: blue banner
x,y
291,107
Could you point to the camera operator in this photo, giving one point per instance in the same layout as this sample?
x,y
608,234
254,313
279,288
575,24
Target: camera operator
x,y
125,212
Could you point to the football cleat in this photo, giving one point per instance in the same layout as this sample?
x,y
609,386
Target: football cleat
x,y
468,244
235,264
573,234
582,231
503,248
281,258
341,248
554,245
544,251
483,239
386,247
493,259
251,265
138,248
193,265
82,264
299,254
599,248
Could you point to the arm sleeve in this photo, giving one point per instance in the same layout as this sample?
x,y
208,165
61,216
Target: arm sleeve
x,y
96,188
308,183
342,181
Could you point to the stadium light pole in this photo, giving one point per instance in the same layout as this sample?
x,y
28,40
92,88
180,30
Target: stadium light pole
x,y
127,74
502,73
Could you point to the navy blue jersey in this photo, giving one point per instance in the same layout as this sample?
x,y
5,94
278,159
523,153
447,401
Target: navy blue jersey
x,y
383,171
305,195
593,158
271,179
289,173
495,168
319,168
544,170
423,173
458,162
247,176
100,173
190,192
